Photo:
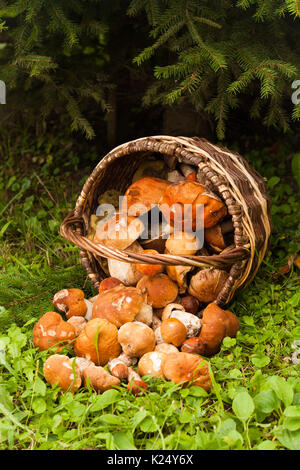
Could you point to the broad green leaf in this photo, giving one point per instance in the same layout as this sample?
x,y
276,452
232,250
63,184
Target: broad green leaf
x,y
289,439
292,418
103,401
124,441
39,405
266,445
243,406
266,402
260,360
273,181
283,390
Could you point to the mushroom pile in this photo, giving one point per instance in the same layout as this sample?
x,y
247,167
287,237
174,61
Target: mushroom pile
x,y
147,319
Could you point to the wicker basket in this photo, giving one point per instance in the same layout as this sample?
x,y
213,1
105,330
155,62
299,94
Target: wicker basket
x,y
230,176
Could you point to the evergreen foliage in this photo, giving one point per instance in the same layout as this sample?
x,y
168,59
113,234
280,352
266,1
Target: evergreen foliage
x,y
219,55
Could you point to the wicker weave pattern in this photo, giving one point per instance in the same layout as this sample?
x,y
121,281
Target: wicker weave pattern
x,y
226,173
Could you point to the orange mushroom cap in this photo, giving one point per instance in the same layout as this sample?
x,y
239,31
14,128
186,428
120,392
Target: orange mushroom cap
x,y
160,290
52,331
71,302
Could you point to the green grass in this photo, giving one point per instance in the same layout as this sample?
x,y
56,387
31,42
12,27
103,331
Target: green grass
x,y
255,400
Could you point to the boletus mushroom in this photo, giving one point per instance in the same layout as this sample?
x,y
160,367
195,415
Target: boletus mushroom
x,y
207,283
188,369
71,302
99,379
160,289
98,342
52,331
142,195
62,371
216,325
136,339
151,363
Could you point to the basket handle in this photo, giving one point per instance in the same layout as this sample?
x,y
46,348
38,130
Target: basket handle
x,y
72,228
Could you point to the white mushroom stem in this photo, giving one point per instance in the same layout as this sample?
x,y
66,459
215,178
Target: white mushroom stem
x,y
145,315
158,336
93,299
89,304
83,363
190,321
156,322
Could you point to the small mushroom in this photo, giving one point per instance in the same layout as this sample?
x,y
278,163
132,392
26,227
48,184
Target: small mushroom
x,y
98,342
71,302
216,325
219,236
175,177
127,273
179,275
190,321
166,313
135,384
207,283
82,364
52,331
151,363
136,339
122,304
182,243
173,331
160,290
62,371
188,369
118,367
99,379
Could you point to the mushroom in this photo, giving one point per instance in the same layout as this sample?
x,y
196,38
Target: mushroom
x,y
151,363
122,304
89,306
160,290
149,269
182,243
207,283
119,232
187,170
82,363
135,384
71,302
127,273
157,237
169,309
216,325
179,274
173,331
51,330
78,323
98,342
118,367
99,379
62,371
166,348
181,205
143,195
136,339
188,369
190,304
190,321
109,283
218,236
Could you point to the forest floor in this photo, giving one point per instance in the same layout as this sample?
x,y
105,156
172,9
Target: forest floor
x,y
255,399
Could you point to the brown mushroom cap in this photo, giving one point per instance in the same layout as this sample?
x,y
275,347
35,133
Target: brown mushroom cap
x,y
214,237
109,283
178,274
182,243
160,290
71,302
98,341
99,379
59,370
151,363
51,330
136,339
206,284
142,195
189,368
190,304
216,325
119,305
173,331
